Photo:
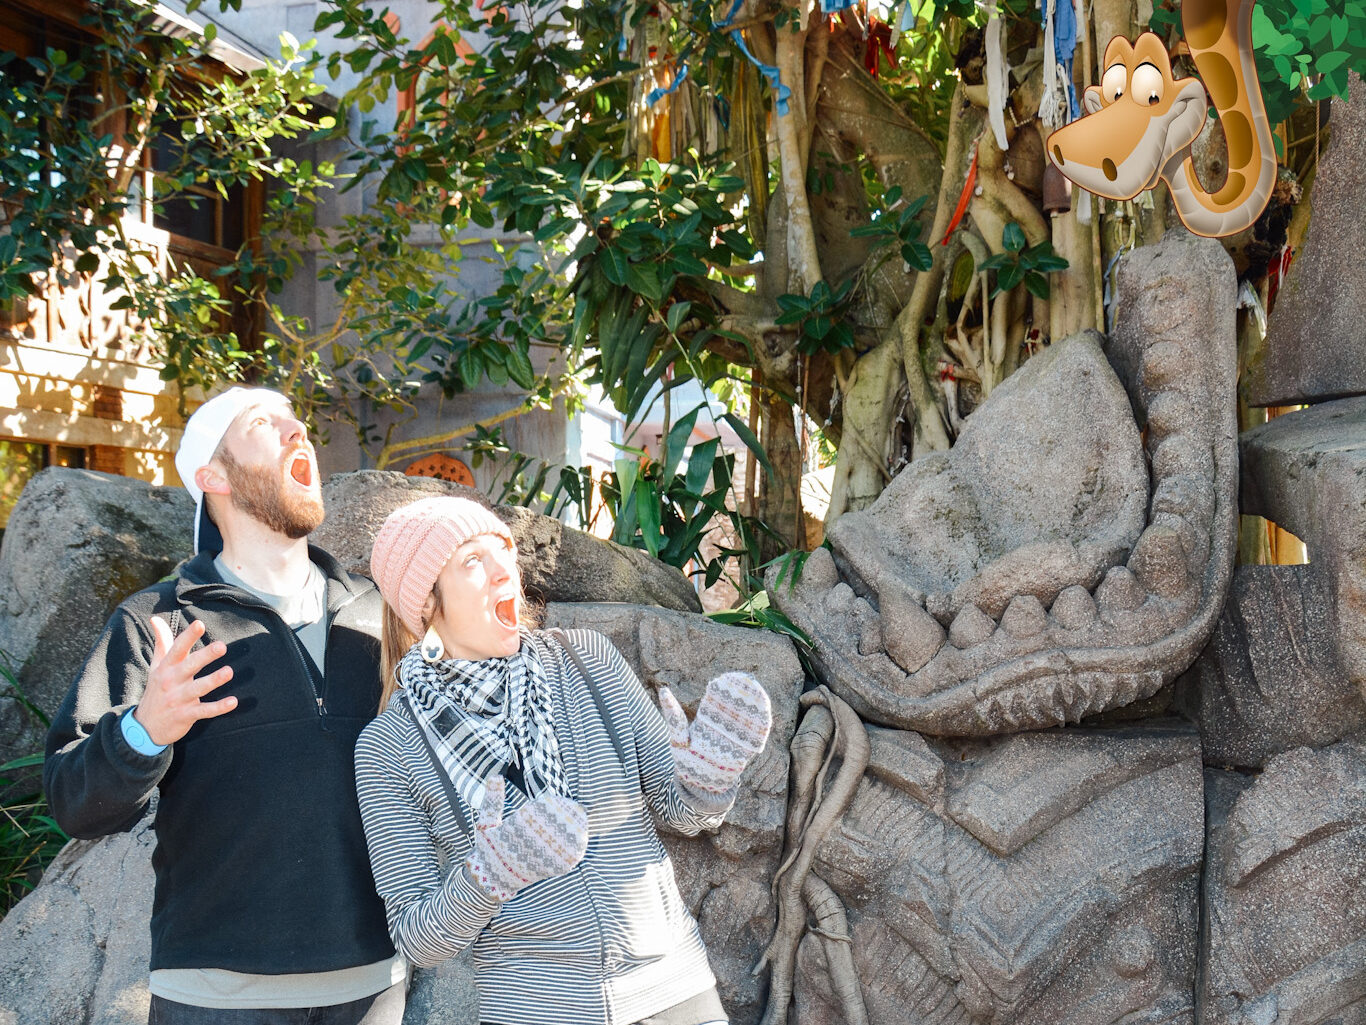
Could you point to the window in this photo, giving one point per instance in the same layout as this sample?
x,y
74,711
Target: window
x,y
20,460
198,213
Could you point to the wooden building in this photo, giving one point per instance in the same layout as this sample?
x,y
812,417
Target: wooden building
x,y
78,387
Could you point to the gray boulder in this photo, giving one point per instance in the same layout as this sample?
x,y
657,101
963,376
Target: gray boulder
x,y
1306,471
1029,577
1037,878
1314,348
77,543
75,950
1269,679
1285,922
558,563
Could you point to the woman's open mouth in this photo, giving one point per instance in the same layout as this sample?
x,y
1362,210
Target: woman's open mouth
x,y
506,611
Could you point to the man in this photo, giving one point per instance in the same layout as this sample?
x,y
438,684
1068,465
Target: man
x,y
237,690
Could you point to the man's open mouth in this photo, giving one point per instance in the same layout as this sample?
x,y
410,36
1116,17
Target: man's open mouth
x,y
506,611
301,469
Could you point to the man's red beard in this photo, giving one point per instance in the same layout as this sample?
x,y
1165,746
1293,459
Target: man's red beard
x,y
260,492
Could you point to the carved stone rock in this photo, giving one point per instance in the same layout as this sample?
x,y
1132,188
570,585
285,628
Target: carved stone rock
x,y
1044,504
1306,471
558,563
1314,348
1287,860
1269,679
998,514
1040,878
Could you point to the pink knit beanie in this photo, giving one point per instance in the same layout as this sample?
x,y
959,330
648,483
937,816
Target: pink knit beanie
x,y
415,544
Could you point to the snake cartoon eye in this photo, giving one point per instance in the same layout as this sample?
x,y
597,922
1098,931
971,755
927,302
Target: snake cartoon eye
x,y
1147,85
1112,84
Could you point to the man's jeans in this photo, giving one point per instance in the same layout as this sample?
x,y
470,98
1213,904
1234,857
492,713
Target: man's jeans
x,y
384,1008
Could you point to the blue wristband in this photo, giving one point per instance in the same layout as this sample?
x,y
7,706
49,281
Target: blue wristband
x,y
137,737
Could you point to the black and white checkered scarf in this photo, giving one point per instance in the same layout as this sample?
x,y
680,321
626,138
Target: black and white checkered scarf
x,y
481,716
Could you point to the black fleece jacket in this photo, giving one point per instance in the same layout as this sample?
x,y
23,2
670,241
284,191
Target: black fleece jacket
x,y
260,862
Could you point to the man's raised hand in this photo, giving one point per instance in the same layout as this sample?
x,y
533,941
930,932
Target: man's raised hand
x,y
172,703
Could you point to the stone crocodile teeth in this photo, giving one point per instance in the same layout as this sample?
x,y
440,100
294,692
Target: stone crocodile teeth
x,y
840,600
971,626
1024,617
911,634
1120,590
1159,562
1074,608
870,628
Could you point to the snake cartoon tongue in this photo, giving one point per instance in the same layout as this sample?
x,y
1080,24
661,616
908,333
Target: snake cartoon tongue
x,y
506,611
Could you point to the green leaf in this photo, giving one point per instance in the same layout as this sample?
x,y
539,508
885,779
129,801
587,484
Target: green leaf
x,y
644,280
615,266
678,313
471,367
747,436
917,255
1013,238
677,443
700,464
648,514
520,369
1008,277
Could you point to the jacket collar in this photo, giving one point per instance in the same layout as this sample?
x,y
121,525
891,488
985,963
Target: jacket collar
x,y
199,578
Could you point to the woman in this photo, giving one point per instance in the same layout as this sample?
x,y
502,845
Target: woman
x,y
507,784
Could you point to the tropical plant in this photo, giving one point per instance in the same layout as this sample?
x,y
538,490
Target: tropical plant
x,y
29,837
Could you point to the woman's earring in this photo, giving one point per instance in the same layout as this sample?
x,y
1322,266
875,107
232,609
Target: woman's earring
x,y
432,648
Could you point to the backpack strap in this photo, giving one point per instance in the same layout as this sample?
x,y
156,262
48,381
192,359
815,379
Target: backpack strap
x,y
594,691
457,805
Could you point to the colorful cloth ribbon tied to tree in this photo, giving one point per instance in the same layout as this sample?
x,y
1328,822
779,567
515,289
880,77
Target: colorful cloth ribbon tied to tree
x,y
1059,104
775,81
659,93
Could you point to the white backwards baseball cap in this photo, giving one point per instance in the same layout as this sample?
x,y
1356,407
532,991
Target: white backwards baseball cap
x,y
203,433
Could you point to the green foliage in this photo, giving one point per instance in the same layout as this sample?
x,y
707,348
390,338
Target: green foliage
x,y
756,611
517,477
665,507
1030,264
902,230
821,327
1301,47
77,123
29,837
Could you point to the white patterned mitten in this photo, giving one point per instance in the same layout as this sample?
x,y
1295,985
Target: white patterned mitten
x,y
730,728
544,838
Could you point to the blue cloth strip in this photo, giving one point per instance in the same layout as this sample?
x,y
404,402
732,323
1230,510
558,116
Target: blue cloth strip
x,y
1064,44
775,80
658,94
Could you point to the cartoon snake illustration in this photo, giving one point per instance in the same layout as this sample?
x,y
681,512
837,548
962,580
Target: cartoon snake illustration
x,y
1141,121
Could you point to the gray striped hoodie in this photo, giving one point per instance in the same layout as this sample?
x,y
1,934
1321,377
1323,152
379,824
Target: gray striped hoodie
x,y
609,942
